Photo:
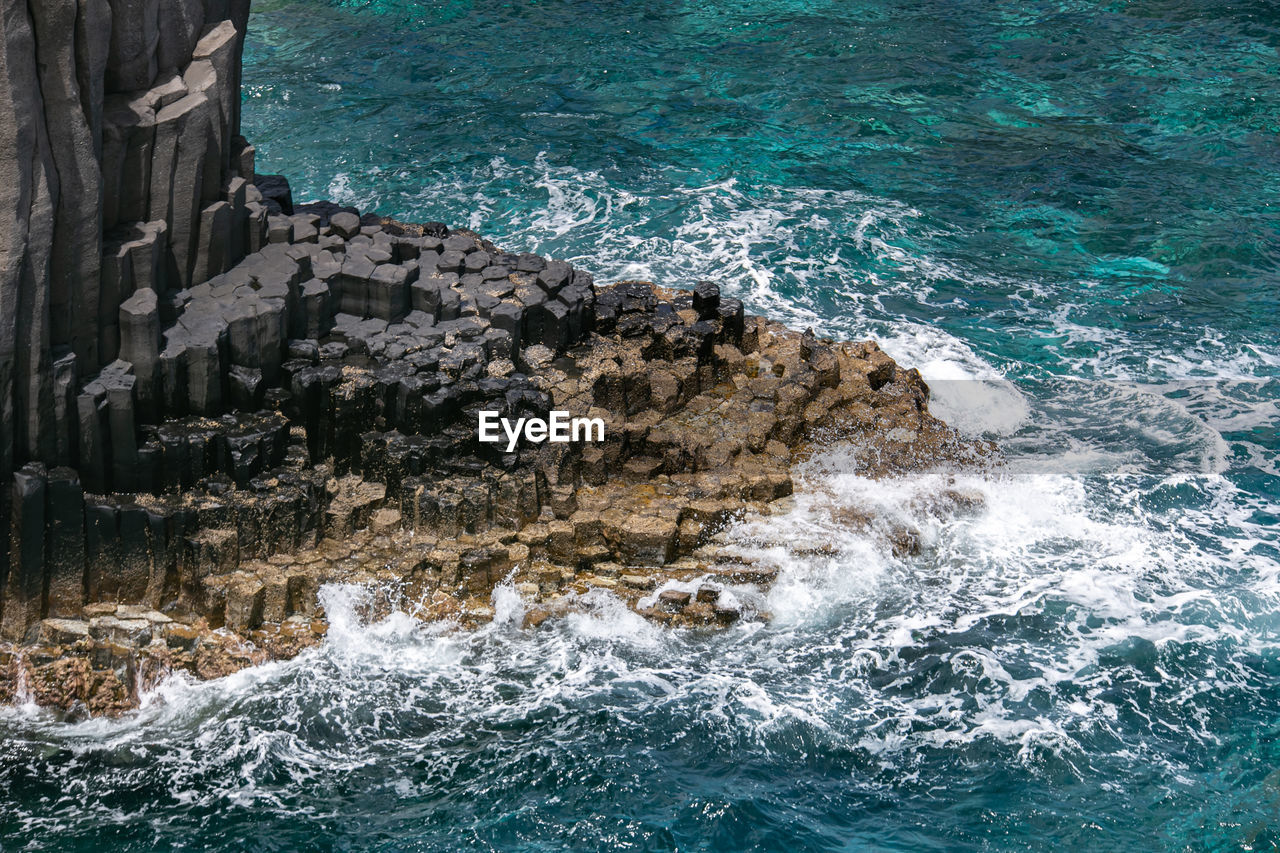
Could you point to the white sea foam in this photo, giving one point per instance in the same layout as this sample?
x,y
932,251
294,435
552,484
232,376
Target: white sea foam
x,y
1108,585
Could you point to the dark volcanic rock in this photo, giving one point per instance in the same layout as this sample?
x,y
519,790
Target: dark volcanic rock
x,y
276,193
345,224
325,210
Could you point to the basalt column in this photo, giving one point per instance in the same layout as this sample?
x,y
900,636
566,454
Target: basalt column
x,y
123,178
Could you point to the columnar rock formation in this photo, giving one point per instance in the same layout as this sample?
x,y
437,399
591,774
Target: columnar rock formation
x,y
123,171
214,400
123,179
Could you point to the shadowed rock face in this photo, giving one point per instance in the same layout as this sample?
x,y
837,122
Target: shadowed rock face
x,y
215,400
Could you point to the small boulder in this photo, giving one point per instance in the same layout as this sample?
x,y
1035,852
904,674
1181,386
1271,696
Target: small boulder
x,y
345,224
674,599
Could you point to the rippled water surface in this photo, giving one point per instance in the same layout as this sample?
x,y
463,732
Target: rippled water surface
x,y
1067,214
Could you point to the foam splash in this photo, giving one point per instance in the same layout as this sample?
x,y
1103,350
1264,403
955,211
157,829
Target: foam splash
x,y
1115,579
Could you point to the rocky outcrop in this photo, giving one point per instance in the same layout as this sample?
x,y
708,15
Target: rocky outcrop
x,y
283,463
215,401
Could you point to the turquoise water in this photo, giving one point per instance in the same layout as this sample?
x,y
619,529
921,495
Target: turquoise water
x,y
1067,214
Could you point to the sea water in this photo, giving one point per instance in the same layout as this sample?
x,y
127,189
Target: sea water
x,y
1067,214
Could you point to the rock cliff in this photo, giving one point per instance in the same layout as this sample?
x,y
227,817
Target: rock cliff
x,y
123,179
123,170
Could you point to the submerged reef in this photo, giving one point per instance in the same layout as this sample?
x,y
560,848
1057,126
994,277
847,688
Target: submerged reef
x,y
216,400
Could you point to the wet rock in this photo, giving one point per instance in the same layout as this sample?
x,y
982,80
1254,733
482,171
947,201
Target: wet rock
x,y
645,541
181,637
262,397
706,299
882,370
65,541
674,599
23,592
